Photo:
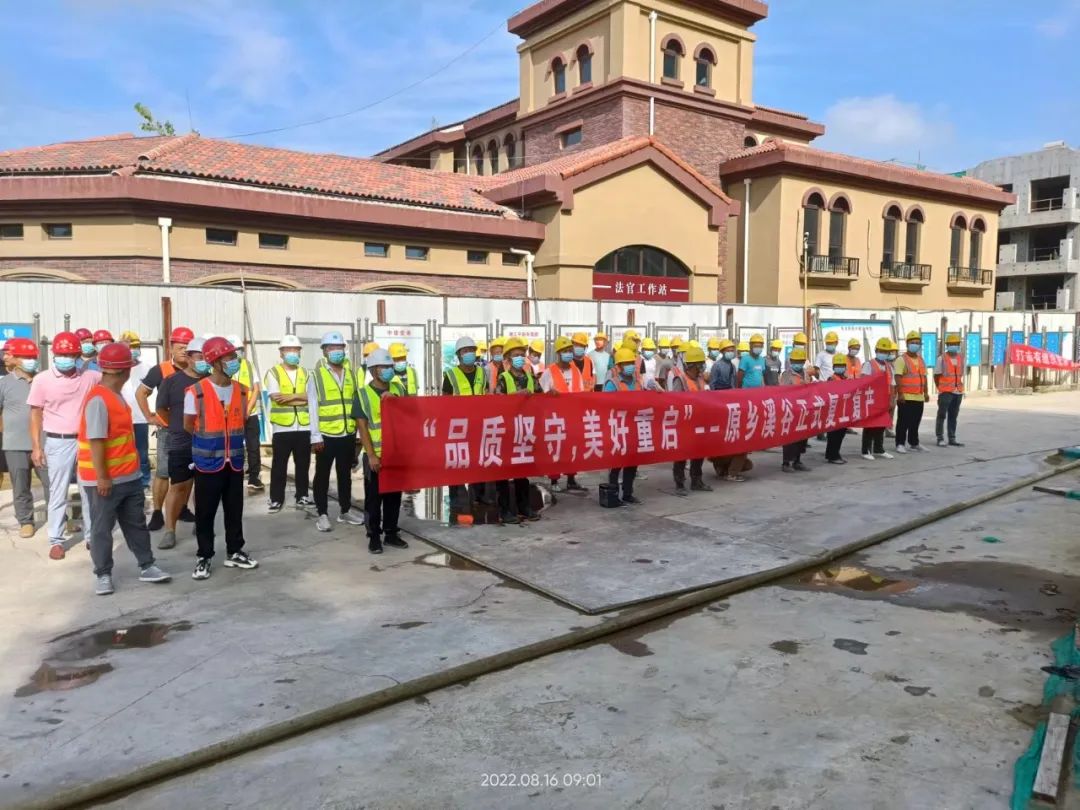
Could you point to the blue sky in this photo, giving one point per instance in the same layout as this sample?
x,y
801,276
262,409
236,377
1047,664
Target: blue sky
x,y
947,82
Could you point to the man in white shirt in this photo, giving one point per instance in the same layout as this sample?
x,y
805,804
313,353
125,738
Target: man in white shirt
x,y
142,429
291,424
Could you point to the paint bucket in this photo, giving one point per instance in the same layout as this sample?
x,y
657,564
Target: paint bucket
x,y
609,496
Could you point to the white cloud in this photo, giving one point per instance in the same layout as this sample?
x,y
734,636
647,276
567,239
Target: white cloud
x,y
1061,24
884,127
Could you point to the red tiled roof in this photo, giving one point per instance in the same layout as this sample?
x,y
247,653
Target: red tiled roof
x,y
780,153
452,133
211,159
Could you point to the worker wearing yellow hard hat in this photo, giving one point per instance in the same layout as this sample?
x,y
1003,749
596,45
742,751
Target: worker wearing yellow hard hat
x,y
600,358
579,347
795,374
913,392
824,362
873,439
667,361
799,341
649,363
835,439
404,382
949,381
724,377
466,379
752,363
690,378
535,356
564,376
774,366
496,366
516,379
619,490
854,362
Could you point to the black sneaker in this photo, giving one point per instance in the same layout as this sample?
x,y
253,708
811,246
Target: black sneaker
x,y
508,518
273,507
306,502
395,541
955,443
186,515
680,489
787,467
798,466
573,486
374,545
836,460
157,521
255,486
202,569
240,560
630,499
700,486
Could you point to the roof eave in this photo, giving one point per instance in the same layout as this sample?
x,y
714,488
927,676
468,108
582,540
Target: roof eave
x,y
546,12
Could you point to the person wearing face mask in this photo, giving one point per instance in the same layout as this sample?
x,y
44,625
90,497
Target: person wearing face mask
x,y
21,355
404,382
624,378
496,366
101,338
723,375
800,341
836,437
481,353
795,374
87,352
600,358
665,363
215,415
517,379
713,352
564,377
383,508
825,357
467,379
245,375
873,439
751,371
773,366
334,405
290,424
949,380
912,394
536,357
854,362
55,401
170,408
580,348
109,474
691,379
648,359
142,428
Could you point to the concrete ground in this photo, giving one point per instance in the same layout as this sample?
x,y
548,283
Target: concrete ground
x,y
919,692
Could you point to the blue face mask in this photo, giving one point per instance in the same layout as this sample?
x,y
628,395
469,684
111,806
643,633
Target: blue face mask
x,y
797,367
64,363
830,348
952,349
839,372
729,355
881,356
336,356
136,354
468,359
755,351
914,347
714,353
292,358
88,347
518,362
202,367
496,358
567,357
627,372
29,366
648,354
579,351
232,366
400,366
386,374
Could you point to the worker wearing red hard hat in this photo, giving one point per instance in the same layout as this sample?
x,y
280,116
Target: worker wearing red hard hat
x,y
215,414
179,339
109,473
55,400
89,350
21,355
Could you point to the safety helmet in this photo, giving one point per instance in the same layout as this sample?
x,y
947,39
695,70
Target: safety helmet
x,y
914,334
677,342
952,340
103,336
379,357
563,343
797,355
398,350
181,334
22,348
235,340
631,334
84,334
369,347
648,343
714,343
800,339
665,343
757,337
290,342
195,345
839,361
481,346
883,345
832,337
777,344
854,344
463,343
333,339
216,348
116,357
498,343
580,338
726,343
66,343
131,338
694,355
624,356
600,336
515,343
744,346
537,346
691,344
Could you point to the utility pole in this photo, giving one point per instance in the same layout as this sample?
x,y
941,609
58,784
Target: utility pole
x,y
805,282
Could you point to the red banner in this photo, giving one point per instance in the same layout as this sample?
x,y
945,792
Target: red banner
x,y
439,441
1021,355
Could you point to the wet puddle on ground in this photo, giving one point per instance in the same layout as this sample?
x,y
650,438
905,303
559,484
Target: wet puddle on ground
x,y
444,559
61,670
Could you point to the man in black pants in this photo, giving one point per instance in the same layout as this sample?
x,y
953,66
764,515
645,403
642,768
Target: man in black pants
x,y
517,379
836,437
334,407
290,419
383,508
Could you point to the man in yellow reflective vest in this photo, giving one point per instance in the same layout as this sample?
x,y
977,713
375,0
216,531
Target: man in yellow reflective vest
x,y
382,508
403,383
949,379
467,379
334,406
246,377
290,423
517,379
911,394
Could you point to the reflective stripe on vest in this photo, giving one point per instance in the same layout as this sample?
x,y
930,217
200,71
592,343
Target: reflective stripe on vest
x,y
219,431
558,381
371,401
335,404
406,387
461,385
913,381
689,384
511,383
286,415
951,380
121,455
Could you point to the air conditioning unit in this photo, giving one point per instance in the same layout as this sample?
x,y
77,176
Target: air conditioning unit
x,y
1005,300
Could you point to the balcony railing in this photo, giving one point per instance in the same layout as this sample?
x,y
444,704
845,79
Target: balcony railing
x,y
905,271
971,275
837,266
1048,204
1047,254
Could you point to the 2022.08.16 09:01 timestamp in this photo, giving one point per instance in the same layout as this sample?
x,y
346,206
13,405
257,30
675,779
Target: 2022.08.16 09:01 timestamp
x,y
547,780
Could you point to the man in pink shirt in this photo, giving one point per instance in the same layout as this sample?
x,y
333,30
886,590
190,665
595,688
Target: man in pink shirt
x,y
56,398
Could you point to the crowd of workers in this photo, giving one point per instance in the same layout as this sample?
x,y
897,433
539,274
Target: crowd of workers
x,y
87,419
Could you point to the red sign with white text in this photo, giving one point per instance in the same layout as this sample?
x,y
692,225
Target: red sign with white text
x,y
615,287
1021,355
440,441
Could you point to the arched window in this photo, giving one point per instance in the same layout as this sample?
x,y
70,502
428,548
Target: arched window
x,y
558,72
915,220
705,61
674,51
813,205
493,155
642,260
893,215
978,229
956,240
478,159
749,142
250,283
839,209
584,64
510,145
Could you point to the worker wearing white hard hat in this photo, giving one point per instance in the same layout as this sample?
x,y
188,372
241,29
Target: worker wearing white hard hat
x,y
247,377
334,407
382,508
290,425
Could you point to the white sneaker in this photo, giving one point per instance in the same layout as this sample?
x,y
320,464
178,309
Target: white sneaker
x,y
323,523
103,585
901,449
886,455
868,456
153,574
918,449
352,518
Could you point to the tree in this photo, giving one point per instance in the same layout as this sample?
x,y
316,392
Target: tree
x,y
149,124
